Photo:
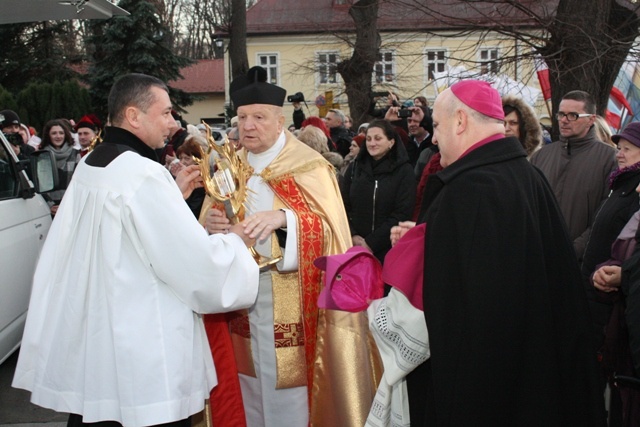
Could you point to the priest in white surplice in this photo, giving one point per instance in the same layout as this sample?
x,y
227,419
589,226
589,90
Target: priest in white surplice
x,y
114,332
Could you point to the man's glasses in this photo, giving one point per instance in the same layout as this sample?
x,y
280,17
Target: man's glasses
x,y
572,117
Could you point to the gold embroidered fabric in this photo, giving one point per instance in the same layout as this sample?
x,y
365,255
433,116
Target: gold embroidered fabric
x,y
347,366
287,312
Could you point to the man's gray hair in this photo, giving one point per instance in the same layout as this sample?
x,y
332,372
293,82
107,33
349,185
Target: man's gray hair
x,y
340,115
132,90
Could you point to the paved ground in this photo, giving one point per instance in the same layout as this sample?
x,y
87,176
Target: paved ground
x,y
15,408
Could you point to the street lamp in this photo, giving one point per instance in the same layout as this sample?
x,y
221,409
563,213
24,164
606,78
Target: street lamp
x,y
218,42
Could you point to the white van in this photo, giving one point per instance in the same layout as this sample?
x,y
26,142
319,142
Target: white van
x,y
24,223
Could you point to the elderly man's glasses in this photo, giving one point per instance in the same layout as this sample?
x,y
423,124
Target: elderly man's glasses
x,y
572,117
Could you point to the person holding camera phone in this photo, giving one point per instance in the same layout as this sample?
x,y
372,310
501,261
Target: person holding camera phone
x,y
392,100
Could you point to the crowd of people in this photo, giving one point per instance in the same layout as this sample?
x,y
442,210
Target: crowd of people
x,y
500,287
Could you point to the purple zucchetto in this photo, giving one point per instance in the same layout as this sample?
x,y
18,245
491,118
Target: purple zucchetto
x,y
479,96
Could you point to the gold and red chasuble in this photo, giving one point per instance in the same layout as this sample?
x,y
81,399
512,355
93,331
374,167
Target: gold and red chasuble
x,y
331,352
310,247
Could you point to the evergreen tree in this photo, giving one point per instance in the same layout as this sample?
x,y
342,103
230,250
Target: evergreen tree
x,y
7,100
137,43
39,51
40,102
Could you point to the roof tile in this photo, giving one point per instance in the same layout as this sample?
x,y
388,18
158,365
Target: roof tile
x,y
205,76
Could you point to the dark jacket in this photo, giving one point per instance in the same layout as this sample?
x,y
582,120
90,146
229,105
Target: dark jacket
x,y
577,170
613,215
631,288
341,137
503,300
377,195
414,150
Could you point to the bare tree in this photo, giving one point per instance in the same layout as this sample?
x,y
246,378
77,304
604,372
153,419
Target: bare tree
x,y
584,42
238,39
356,71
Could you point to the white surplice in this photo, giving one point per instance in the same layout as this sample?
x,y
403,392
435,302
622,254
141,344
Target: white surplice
x,y
113,330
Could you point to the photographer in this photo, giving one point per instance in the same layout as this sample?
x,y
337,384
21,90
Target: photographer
x,y
392,100
298,115
10,125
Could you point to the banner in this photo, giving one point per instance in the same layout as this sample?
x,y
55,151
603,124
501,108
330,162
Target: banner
x,y
543,77
504,84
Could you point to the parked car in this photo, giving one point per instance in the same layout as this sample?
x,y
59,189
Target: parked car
x,y
25,220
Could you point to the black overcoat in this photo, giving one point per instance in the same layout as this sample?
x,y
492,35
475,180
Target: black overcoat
x,y
507,316
378,195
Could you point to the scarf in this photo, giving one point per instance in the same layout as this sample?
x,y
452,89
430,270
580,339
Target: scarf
x,y
61,154
620,171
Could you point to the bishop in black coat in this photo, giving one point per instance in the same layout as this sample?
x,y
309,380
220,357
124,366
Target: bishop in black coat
x,y
506,312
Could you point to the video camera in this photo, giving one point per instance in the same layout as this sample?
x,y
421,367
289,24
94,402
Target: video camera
x,y
14,138
296,97
380,94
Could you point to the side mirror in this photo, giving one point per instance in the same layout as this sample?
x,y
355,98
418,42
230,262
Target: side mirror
x,y
44,171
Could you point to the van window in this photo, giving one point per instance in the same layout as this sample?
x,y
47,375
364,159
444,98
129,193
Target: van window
x,y
8,178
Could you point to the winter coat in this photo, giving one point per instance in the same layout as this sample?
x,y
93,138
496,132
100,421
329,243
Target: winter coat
x,y
577,170
630,285
377,195
503,300
341,137
612,216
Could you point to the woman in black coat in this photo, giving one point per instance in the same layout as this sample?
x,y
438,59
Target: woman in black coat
x,y
611,217
603,282
379,189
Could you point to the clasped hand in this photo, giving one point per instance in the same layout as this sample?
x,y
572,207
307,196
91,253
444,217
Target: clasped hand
x,y
258,226
607,278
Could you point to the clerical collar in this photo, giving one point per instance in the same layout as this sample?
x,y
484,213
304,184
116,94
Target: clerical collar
x,y
262,160
116,135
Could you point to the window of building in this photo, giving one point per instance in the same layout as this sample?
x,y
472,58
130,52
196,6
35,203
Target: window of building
x,y
269,61
436,62
489,61
327,67
384,67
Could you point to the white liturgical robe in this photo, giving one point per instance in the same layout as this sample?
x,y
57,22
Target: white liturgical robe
x,y
114,331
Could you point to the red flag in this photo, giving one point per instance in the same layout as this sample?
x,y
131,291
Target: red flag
x,y
618,103
543,77
618,97
613,119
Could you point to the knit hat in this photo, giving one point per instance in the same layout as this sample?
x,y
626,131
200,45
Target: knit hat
x,y
480,96
254,89
631,133
8,118
359,139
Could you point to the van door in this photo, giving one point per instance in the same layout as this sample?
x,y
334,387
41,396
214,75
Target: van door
x,y
24,224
